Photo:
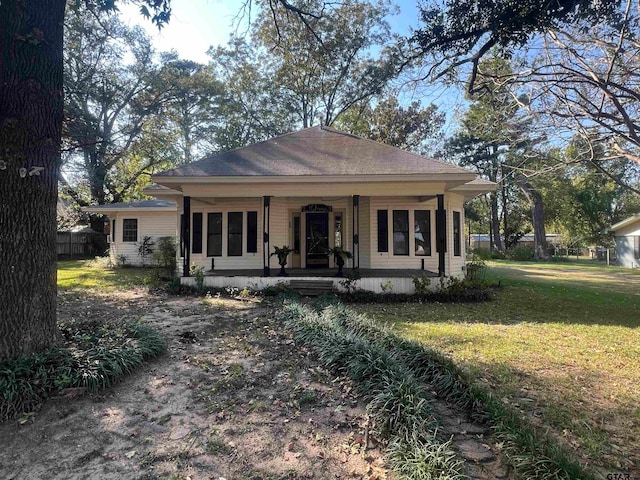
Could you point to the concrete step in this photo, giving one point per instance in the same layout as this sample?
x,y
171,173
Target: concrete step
x,y
312,288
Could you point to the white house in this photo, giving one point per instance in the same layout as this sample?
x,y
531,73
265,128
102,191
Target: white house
x,y
130,222
627,235
397,212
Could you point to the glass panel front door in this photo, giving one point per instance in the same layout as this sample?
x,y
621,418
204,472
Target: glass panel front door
x,y
317,240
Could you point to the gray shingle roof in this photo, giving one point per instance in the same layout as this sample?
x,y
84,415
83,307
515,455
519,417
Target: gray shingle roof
x,y
315,151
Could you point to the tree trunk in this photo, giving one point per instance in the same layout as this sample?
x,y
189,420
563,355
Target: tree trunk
x,y
537,218
30,129
495,222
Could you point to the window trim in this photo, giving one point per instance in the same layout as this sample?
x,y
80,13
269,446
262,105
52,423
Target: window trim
x,y
125,230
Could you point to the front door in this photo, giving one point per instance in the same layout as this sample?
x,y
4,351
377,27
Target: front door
x,y
317,240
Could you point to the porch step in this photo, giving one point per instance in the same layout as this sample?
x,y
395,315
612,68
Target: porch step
x,y
311,288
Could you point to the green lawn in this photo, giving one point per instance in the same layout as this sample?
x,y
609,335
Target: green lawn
x,y
561,342
94,275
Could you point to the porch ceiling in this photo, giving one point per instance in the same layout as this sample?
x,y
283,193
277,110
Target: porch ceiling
x,y
323,188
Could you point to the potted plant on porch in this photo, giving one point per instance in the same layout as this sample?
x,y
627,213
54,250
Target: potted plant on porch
x,y
340,255
282,253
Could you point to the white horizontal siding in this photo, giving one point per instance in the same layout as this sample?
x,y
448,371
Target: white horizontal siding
x,y
388,259
625,252
224,206
151,224
455,265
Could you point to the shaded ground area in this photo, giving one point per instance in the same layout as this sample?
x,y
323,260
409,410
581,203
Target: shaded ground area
x,y
232,398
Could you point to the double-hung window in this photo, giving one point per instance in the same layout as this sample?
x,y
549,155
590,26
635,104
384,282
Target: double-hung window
x,y
130,230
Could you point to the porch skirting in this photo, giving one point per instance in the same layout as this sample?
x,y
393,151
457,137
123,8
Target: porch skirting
x,y
401,283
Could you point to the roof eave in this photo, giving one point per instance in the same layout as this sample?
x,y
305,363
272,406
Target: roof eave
x,y
624,223
430,177
107,210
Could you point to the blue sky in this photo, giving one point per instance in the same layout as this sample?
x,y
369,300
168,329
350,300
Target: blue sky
x,y
197,24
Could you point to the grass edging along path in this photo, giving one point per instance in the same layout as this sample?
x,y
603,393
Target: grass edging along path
x,y
397,405
560,343
388,370
92,356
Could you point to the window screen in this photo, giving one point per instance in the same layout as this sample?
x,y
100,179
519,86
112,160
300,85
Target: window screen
x,y
234,234
422,229
383,231
457,235
196,243
252,232
296,234
214,234
401,232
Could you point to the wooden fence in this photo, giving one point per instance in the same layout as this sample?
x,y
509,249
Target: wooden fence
x,y
78,244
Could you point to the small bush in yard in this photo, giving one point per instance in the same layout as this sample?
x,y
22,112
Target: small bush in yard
x,y
164,257
475,271
421,284
198,272
94,355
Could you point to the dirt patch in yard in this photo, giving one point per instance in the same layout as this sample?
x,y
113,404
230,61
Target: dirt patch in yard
x,y
232,398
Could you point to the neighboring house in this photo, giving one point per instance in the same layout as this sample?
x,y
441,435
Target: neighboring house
x,y
627,235
130,222
314,189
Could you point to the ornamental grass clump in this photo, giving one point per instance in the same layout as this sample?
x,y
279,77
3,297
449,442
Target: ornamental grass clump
x,y
398,406
93,356
389,372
